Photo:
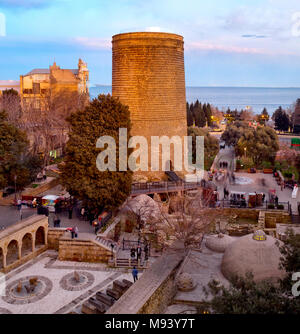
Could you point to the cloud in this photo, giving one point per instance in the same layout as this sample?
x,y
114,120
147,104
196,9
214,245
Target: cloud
x,y
25,4
208,46
93,42
254,36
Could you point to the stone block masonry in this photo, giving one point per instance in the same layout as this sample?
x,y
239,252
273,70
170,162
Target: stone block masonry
x,y
148,76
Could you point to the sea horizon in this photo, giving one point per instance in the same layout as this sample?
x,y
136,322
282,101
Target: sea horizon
x,y
233,97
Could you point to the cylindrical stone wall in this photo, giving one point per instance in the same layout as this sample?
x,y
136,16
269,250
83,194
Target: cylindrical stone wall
x,y
148,76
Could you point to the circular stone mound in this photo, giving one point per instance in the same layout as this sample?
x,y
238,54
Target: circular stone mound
x,y
246,254
185,282
218,243
77,282
15,296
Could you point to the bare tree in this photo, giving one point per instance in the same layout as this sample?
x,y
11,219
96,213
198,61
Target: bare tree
x,y
184,217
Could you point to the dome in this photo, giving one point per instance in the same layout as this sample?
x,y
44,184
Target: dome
x,y
218,243
143,206
254,252
185,282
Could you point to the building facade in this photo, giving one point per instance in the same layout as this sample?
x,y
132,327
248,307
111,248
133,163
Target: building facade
x,y
36,85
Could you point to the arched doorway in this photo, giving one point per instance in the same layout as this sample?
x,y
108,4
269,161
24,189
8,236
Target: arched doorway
x,y
12,252
40,237
26,244
1,258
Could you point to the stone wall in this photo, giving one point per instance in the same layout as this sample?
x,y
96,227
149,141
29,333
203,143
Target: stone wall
x,y
276,217
148,76
54,234
82,251
241,213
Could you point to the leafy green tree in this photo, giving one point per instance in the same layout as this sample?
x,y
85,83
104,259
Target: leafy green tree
x,y
281,119
208,115
80,175
261,144
189,115
13,151
233,132
211,145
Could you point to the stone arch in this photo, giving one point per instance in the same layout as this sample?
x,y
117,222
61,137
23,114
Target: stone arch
x,y
1,258
40,237
12,252
26,244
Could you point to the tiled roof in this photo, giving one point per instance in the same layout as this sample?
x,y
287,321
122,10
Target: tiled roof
x,y
47,71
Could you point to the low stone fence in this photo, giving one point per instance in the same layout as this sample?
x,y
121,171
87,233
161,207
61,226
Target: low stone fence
x,y
54,234
154,290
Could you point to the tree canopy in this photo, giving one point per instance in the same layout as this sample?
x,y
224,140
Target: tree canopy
x,y
13,154
211,145
102,117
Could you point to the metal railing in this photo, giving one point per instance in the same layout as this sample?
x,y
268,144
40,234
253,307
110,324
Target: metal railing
x,y
165,186
266,205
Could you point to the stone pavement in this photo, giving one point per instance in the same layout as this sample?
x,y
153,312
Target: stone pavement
x,y
9,215
55,293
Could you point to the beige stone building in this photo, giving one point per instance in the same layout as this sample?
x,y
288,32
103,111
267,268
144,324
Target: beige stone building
x,y
36,85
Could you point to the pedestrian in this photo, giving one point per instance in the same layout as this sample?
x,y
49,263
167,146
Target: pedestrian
x,y
132,253
146,250
138,252
19,204
276,200
76,231
70,210
299,209
135,274
56,222
282,185
82,212
91,217
21,213
73,232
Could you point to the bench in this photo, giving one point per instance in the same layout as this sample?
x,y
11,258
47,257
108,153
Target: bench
x,y
267,171
89,308
113,293
105,299
119,286
101,307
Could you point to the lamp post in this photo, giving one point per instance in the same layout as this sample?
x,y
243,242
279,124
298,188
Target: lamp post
x,y
245,150
112,251
15,178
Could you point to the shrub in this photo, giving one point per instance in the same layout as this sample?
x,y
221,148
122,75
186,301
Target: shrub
x,y
271,206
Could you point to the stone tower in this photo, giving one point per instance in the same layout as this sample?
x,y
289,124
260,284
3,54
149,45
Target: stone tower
x,y
148,76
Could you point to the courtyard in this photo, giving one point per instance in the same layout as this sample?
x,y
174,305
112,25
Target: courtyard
x,y
56,292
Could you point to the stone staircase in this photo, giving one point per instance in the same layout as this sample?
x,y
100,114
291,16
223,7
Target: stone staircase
x,y
261,220
106,243
128,263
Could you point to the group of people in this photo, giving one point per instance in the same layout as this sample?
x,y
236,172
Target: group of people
x,y
137,252
223,164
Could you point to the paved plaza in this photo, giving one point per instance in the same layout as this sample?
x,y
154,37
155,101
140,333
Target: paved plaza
x,y
55,292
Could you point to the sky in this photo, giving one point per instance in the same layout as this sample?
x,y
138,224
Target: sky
x,y
244,43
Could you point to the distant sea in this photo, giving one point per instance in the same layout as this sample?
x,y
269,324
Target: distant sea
x,y
233,97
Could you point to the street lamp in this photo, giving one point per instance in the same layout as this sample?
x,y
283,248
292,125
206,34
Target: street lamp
x,y
245,149
15,178
112,250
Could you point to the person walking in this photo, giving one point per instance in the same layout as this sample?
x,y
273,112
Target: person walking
x,y
276,200
132,253
76,231
56,222
82,212
73,232
135,274
146,250
138,252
